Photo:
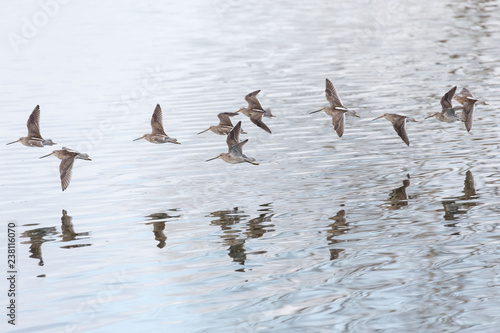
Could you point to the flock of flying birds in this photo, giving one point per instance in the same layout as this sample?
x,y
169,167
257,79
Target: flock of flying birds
x,y
255,112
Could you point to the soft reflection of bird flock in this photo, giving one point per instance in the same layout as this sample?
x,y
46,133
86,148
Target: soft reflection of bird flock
x,y
235,235
238,227
38,236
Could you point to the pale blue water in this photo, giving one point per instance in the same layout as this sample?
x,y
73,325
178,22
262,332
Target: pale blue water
x,y
351,234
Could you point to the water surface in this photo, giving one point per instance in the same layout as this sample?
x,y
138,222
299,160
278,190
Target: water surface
x,y
351,234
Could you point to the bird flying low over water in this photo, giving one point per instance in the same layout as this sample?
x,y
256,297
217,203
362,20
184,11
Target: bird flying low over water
x,y
336,109
34,138
158,134
468,100
67,157
235,148
448,114
225,125
255,111
468,112
399,124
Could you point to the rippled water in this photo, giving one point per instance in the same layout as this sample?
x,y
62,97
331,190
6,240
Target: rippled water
x,y
351,234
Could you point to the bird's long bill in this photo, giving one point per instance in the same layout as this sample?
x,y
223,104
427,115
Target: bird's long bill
x,y
46,155
208,129
142,137
212,159
429,116
382,116
177,142
254,163
13,142
316,111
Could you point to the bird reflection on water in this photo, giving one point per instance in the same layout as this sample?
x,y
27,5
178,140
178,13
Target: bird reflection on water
x,y
235,234
37,237
159,225
68,232
337,228
398,198
460,205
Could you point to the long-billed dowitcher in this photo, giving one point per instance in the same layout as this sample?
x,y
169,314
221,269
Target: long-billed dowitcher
x,y
399,124
235,154
336,109
67,157
468,100
447,113
158,135
255,111
225,125
468,112
464,95
34,138
448,110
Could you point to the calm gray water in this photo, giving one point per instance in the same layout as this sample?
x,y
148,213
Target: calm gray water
x,y
327,234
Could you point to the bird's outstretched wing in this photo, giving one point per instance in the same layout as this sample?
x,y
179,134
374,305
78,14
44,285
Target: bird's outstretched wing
x,y
338,122
224,118
446,99
233,138
157,121
256,118
332,96
237,150
468,113
65,169
33,124
399,125
252,100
